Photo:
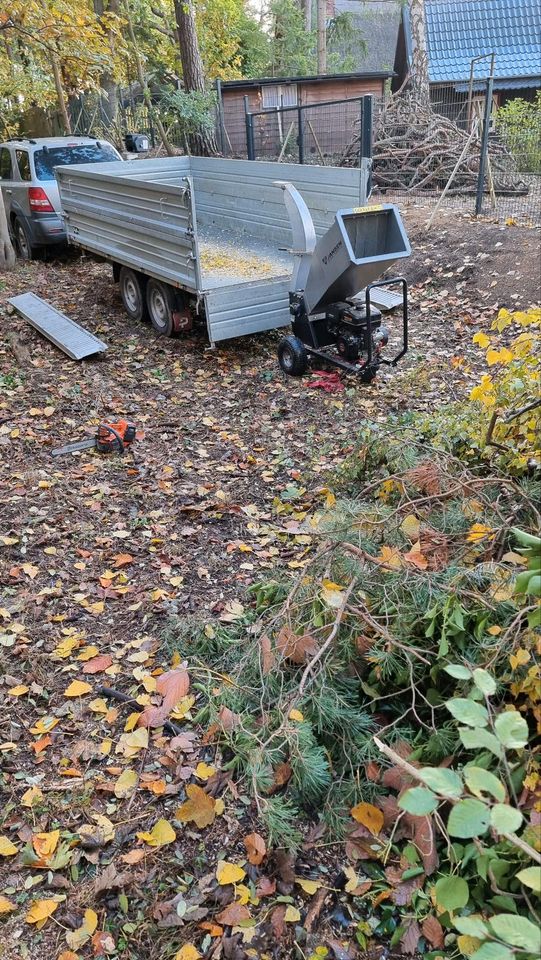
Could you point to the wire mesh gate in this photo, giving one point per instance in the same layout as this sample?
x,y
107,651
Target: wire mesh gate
x,y
319,133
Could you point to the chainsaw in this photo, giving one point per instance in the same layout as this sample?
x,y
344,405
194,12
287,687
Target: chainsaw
x,y
110,438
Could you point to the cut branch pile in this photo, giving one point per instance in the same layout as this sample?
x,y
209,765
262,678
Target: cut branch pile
x,y
416,148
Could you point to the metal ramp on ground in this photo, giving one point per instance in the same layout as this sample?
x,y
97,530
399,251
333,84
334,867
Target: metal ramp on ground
x,y
384,299
74,340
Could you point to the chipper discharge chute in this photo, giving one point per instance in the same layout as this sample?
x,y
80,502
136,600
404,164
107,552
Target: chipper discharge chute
x,y
332,316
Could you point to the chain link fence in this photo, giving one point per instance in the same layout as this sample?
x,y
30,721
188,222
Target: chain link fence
x,y
423,155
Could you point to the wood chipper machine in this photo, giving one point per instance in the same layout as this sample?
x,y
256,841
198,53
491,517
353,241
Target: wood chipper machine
x,y
332,316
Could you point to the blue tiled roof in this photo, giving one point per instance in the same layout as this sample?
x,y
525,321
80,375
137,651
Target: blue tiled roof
x,y
458,30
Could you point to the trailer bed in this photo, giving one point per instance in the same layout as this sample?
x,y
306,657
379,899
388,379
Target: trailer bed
x,y
215,228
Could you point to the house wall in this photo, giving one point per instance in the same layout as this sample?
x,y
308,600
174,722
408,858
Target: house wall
x,y
327,129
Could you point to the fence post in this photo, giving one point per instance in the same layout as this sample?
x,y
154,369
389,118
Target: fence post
x,y
220,111
365,150
484,147
250,147
300,139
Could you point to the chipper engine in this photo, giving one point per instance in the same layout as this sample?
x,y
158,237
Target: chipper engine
x,y
332,316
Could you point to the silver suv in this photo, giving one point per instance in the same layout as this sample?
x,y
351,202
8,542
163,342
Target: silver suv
x,y
30,189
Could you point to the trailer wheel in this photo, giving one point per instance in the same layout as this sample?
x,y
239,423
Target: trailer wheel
x,y
132,290
161,303
292,356
368,375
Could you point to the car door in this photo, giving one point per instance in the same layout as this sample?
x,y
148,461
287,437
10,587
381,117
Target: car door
x,y
6,178
22,171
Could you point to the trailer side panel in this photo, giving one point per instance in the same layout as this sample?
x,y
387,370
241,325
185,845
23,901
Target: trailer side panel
x,y
137,222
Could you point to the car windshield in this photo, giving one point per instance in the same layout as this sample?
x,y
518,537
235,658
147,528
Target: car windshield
x,y
46,160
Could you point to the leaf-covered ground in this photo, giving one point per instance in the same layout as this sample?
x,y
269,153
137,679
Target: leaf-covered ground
x,y
97,554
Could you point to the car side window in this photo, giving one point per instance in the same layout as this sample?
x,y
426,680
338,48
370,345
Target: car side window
x,y
23,163
5,164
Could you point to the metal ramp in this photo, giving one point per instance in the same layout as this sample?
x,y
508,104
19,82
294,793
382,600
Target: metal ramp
x,y
76,342
384,299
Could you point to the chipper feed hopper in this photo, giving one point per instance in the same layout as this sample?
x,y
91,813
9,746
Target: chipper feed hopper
x,y
331,319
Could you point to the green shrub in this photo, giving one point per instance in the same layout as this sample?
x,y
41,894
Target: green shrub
x,y
519,125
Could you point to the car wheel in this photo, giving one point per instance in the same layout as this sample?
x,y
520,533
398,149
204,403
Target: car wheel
x,y
133,292
23,241
161,303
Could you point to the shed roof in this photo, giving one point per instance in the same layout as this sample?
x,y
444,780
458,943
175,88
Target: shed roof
x,y
459,30
317,78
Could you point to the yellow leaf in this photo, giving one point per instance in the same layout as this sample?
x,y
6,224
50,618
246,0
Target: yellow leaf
x,y
31,796
519,658
40,911
467,945
182,708
410,526
188,952
203,771
6,906
391,557
98,706
478,531
353,880
77,688
7,848
227,872
76,938
482,339
369,816
494,631
87,653
129,744
505,355
18,691
493,356
131,722
309,886
296,715
162,832
242,893
67,645
292,915
45,725
126,784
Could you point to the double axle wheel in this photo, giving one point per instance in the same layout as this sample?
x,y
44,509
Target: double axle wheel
x,y
146,299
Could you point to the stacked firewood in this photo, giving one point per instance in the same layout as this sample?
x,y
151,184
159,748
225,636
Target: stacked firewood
x,y
416,148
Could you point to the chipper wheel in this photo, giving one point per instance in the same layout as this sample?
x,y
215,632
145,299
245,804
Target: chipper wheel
x,y
292,356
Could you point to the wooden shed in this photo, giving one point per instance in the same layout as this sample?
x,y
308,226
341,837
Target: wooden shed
x,y
331,105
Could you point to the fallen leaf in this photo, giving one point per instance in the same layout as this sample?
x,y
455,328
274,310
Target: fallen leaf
x,y
199,808
6,906
292,915
369,816
227,872
433,931
18,691
31,797
188,952
76,938
45,844
204,770
77,688
255,848
296,715
129,744
7,848
40,745
162,832
98,664
40,911
172,686
296,648
102,942
126,784
309,886
233,914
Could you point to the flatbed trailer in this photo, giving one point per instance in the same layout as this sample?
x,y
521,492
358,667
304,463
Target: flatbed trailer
x,y
203,236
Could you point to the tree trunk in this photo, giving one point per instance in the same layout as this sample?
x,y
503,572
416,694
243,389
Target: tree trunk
x,y
322,36
419,66
108,83
7,253
144,85
203,143
60,93
307,8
